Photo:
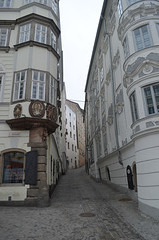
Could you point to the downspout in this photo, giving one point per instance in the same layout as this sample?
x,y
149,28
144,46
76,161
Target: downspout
x,y
113,93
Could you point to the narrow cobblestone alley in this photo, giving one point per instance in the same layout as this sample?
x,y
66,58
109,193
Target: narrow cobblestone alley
x,y
81,209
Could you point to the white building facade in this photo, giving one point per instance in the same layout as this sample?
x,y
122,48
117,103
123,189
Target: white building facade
x,y
71,138
30,105
122,100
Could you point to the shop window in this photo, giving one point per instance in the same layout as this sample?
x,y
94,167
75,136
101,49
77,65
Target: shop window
x,y
13,167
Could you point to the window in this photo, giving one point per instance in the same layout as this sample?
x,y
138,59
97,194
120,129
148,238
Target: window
x,y
142,37
24,34
120,9
151,94
133,1
53,40
70,134
28,1
13,167
53,91
5,3
40,33
54,6
38,85
133,107
126,48
72,147
68,145
1,85
3,36
19,85
42,1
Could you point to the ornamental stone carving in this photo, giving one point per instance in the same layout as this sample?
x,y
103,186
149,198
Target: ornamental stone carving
x,y
51,112
17,111
37,109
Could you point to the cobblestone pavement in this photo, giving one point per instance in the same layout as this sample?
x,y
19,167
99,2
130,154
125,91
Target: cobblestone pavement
x,y
81,209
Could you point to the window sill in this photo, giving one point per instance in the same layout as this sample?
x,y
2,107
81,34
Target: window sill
x,y
6,49
38,44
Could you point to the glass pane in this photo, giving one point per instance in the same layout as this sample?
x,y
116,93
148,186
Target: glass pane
x,y
42,77
35,75
146,38
22,76
34,90
138,39
13,167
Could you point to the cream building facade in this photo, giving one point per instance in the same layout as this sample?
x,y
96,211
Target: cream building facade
x,y
122,100
31,86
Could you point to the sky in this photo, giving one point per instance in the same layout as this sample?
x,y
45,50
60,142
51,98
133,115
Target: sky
x,y
79,22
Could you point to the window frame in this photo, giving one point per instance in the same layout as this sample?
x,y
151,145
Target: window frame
x,y
5,5
154,102
6,36
36,31
25,32
38,82
1,86
19,86
23,168
53,91
133,107
142,38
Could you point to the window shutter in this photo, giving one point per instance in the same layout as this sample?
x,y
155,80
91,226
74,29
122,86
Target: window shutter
x,y
31,168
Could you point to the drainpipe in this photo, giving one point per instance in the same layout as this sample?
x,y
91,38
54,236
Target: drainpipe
x,y
113,93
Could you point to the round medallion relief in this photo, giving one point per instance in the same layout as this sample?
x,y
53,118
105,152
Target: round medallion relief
x,y
37,109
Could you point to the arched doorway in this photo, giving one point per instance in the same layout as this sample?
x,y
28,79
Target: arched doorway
x,y
135,176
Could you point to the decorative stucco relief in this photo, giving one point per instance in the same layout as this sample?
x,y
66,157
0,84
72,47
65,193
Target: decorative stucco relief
x,y
119,102
130,16
142,66
108,78
116,59
110,115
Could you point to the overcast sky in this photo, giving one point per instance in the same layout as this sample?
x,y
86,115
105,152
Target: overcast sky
x,y
79,22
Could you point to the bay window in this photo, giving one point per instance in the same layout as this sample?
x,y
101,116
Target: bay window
x,y
38,85
3,37
151,94
142,37
19,85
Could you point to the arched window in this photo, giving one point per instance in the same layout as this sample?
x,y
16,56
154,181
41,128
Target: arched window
x,y
13,167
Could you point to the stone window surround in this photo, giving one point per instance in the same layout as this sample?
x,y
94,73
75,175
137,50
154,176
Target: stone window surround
x,y
27,96
2,164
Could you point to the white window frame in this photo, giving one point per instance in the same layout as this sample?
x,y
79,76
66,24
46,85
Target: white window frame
x,y
133,105
53,40
5,3
54,6
141,38
38,86
19,86
1,86
24,33
53,91
120,8
40,32
152,96
27,1
3,36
